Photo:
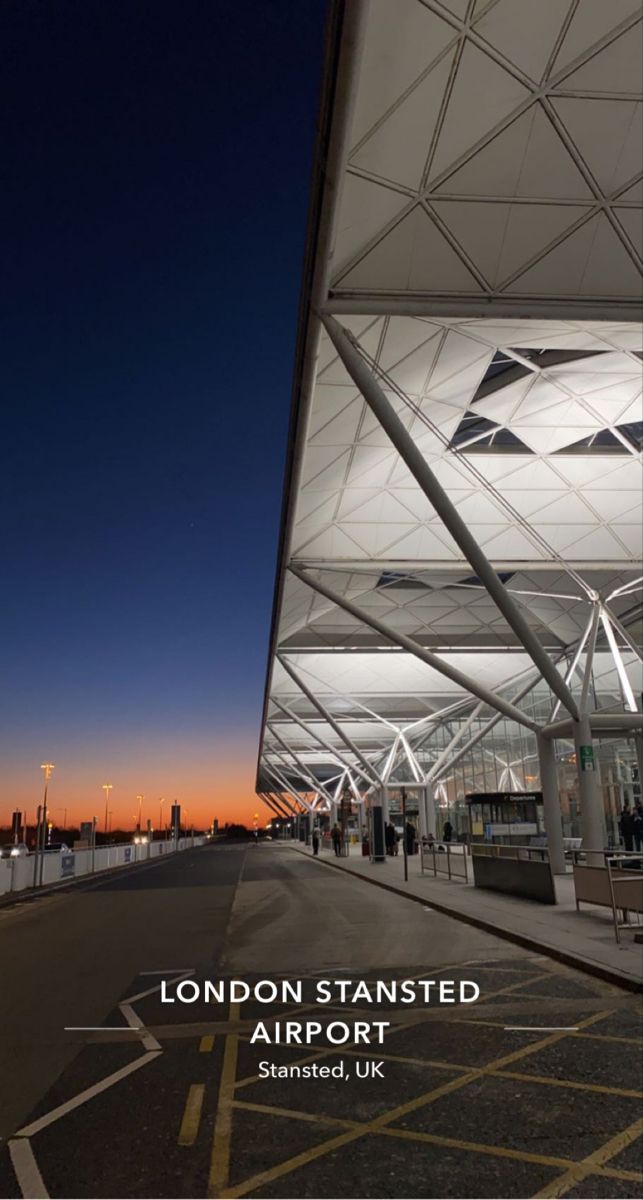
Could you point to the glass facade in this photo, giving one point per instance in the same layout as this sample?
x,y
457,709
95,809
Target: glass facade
x,y
506,760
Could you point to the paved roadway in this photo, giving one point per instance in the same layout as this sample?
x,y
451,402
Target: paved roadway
x,y
466,1108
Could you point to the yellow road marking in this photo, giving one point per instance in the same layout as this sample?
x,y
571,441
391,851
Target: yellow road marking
x,y
415,1016
588,1165
609,1037
434,1139
503,1152
297,1114
377,1125
206,1043
588,1037
550,1081
220,1160
192,1115
409,1134
442,1065
300,1160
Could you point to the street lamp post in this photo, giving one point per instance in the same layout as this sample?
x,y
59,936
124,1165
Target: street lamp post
x,y
41,826
140,799
107,787
161,803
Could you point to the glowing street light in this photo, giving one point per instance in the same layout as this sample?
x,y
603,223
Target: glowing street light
x,y
140,799
107,787
47,769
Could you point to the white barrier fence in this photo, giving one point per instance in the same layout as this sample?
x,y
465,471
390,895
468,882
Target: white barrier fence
x,y
16,874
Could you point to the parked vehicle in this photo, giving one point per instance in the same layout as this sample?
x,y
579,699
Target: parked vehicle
x,y
14,850
57,848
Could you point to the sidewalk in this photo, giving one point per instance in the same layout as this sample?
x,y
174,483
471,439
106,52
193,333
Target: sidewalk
x,y
584,939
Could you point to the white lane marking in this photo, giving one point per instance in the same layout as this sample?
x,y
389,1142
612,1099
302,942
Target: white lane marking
x,y
26,1170
541,1028
148,1040
103,1084
157,987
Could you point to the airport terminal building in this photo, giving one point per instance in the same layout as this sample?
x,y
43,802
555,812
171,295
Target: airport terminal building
x,y
456,624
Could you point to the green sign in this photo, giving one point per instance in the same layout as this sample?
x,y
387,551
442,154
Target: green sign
x,y
587,758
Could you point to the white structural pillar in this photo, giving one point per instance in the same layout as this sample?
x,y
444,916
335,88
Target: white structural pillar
x,y
591,802
424,828
379,817
551,804
638,740
429,804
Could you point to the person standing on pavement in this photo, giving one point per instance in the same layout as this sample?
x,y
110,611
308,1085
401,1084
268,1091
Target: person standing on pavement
x,y
626,826
637,827
409,835
448,831
390,837
336,835
315,840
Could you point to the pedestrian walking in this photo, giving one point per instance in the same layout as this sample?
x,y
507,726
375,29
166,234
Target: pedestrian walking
x,y
390,838
336,835
315,840
448,831
409,837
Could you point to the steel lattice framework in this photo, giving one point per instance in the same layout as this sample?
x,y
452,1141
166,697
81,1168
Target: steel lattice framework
x,y
462,511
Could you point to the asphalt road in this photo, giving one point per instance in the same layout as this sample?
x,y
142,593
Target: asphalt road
x,y
167,1099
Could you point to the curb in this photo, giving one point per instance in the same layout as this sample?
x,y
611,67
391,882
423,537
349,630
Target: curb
x,y
607,974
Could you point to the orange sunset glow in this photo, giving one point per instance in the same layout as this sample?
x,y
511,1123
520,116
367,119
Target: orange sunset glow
x,y
215,781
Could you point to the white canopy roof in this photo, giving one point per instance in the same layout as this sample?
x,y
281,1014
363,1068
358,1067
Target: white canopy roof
x,y
476,227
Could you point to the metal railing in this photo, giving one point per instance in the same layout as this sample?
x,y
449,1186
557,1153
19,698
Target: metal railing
x,y
633,857
445,858
617,884
499,850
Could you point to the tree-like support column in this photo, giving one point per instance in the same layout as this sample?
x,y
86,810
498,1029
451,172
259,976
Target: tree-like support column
x,y
369,771
551,804
592,814
438,664
413,458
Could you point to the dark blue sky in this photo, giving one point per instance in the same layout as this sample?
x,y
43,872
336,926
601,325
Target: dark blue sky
x,y
156,161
